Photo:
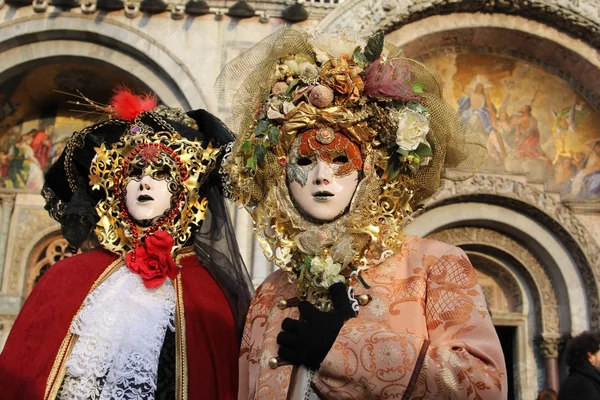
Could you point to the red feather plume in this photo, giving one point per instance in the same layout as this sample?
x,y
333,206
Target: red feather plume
x,y
127,105
389,79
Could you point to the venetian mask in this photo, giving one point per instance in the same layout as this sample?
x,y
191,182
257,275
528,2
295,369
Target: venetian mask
x,y
151,183
322,173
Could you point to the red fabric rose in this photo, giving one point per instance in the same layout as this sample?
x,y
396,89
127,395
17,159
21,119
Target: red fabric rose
x,y
153,261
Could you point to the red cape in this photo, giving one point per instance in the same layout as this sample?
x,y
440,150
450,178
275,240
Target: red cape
x,y
207,354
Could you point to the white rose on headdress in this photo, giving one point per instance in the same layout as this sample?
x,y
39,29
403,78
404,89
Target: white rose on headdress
x,y
292,65
327,45
326,270
413,128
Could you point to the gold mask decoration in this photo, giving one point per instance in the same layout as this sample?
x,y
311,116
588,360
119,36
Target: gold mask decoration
x,y
187,163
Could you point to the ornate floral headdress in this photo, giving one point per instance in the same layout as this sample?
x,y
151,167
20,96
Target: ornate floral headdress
x,y
389,105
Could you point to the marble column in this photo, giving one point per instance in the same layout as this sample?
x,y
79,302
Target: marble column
x,y
8,205
548,345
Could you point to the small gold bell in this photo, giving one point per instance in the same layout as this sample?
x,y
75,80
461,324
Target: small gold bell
x,y
324,252
273,362
364,299
282,305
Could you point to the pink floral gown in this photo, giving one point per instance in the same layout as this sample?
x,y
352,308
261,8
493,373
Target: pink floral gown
x,y
426,334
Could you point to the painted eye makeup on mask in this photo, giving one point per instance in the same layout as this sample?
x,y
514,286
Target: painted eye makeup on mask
x,y
298,169
323,172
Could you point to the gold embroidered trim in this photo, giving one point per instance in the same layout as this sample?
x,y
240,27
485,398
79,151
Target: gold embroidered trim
x,y
58,370
181,352
58,373
183,253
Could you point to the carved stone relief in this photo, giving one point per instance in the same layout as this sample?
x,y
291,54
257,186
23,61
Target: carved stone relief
x,y
580,19
548,346
8,203
563,223
545,304
30,224
43,256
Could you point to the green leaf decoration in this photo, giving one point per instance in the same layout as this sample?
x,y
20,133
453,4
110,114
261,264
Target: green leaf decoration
x,y
424,150
359,58
418,107
262,127
403,152
247,147
291,86
251,163
374,47
273,135
394,169
307,260
418,87
260,152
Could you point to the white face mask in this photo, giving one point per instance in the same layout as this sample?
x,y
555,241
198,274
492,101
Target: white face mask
x,y
321,189
147,198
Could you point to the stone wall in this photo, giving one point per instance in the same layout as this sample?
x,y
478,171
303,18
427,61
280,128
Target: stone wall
x,y
578,18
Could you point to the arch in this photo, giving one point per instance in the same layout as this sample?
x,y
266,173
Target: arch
x,y
36,37
506,280
45,253
470,25
511,284
19,269
556,269
581,251
29,224
65,50
491,257
578,19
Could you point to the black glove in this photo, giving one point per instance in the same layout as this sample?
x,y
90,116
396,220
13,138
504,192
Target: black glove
x,y
308,341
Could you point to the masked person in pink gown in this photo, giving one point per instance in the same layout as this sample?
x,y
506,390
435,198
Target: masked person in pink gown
x,y
338,138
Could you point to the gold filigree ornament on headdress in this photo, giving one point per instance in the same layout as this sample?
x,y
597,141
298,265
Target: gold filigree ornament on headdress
x,y
187,164
387,104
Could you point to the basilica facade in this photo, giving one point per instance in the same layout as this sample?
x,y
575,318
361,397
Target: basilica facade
x,y
526,72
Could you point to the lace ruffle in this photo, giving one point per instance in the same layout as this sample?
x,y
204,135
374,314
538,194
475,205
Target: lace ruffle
x,y
121,329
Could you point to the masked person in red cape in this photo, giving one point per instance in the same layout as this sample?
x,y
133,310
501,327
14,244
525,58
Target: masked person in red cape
x,y
155,309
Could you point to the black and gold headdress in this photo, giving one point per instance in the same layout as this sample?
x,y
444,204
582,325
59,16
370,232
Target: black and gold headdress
x,y
87,183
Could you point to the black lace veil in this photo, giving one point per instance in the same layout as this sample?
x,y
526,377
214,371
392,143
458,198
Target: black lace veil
x,y
217,249
215,243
